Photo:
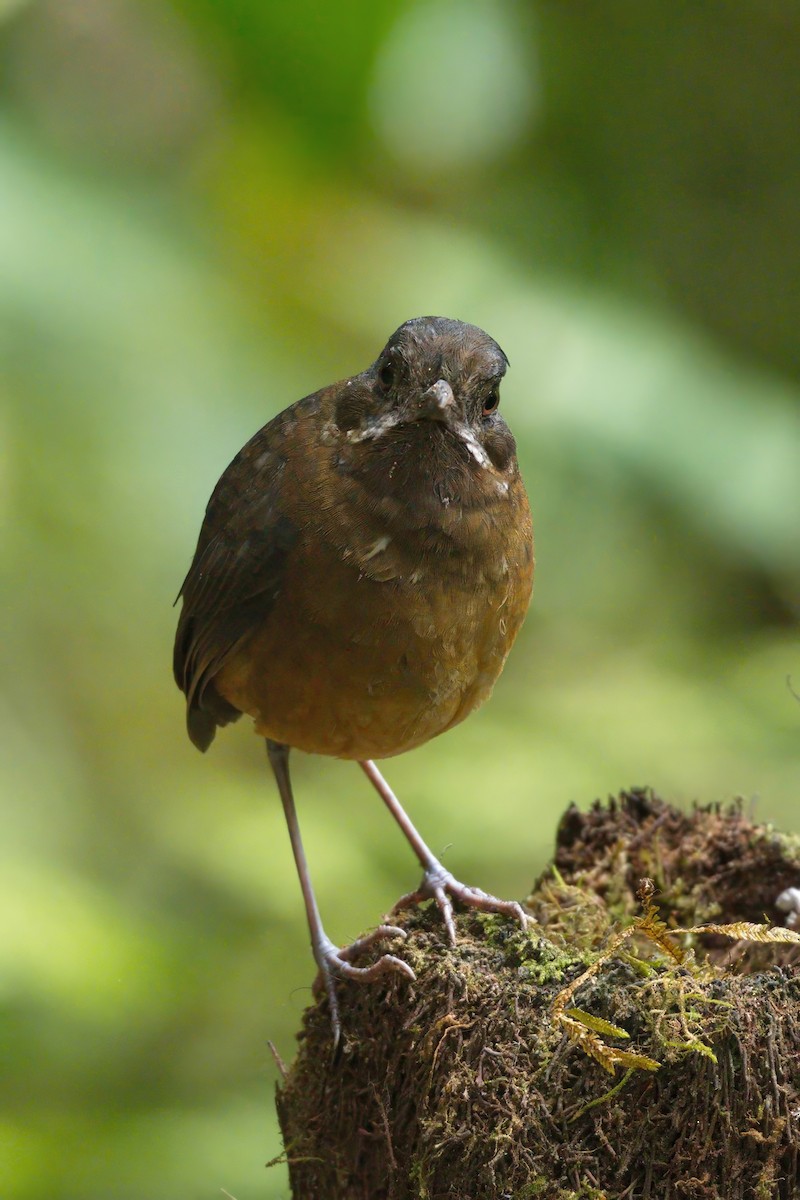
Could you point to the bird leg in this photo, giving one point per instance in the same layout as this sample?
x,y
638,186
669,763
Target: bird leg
x,y
437,883
333,961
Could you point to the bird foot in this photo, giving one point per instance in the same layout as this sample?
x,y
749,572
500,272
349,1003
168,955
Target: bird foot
x,y
439,885
335,962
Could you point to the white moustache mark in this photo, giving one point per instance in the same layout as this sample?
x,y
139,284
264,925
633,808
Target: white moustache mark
x,y
473,445
375,430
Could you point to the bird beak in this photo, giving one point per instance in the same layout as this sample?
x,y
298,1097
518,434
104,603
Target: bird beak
x,y
438,403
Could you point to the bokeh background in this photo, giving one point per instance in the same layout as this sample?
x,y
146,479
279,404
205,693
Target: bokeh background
x,y
209,208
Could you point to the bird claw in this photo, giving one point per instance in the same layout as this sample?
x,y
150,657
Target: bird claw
x,y
440,885
381,933
334,963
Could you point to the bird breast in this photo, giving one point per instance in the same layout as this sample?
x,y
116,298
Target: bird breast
x,y
394,619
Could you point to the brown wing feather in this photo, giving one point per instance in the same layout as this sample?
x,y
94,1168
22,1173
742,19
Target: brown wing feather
x,y
235,576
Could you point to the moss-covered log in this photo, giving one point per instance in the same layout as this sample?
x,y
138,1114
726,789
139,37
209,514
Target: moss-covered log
x,y
467,1086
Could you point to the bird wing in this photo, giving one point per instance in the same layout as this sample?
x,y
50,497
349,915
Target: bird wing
x,y
235,576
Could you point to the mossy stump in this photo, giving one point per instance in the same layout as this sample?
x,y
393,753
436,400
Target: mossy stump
x,y
466,1085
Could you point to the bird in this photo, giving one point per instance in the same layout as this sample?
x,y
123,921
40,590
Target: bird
x,y
363,568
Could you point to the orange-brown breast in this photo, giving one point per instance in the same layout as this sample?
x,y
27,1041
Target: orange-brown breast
x,y
396,611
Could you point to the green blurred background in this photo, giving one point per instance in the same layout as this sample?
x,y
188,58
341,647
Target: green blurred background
x,y
211,208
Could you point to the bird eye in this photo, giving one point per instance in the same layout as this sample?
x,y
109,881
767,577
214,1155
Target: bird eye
x,y
491,402
386,375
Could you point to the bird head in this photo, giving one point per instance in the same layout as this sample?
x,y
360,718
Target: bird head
x,y
436,378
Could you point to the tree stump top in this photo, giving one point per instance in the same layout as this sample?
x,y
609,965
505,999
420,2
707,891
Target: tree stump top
x,y
467,1085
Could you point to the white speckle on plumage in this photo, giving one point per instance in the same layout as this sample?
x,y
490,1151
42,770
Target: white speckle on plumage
x,y
377,547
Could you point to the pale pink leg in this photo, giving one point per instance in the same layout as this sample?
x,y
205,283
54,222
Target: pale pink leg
x,y
437,883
